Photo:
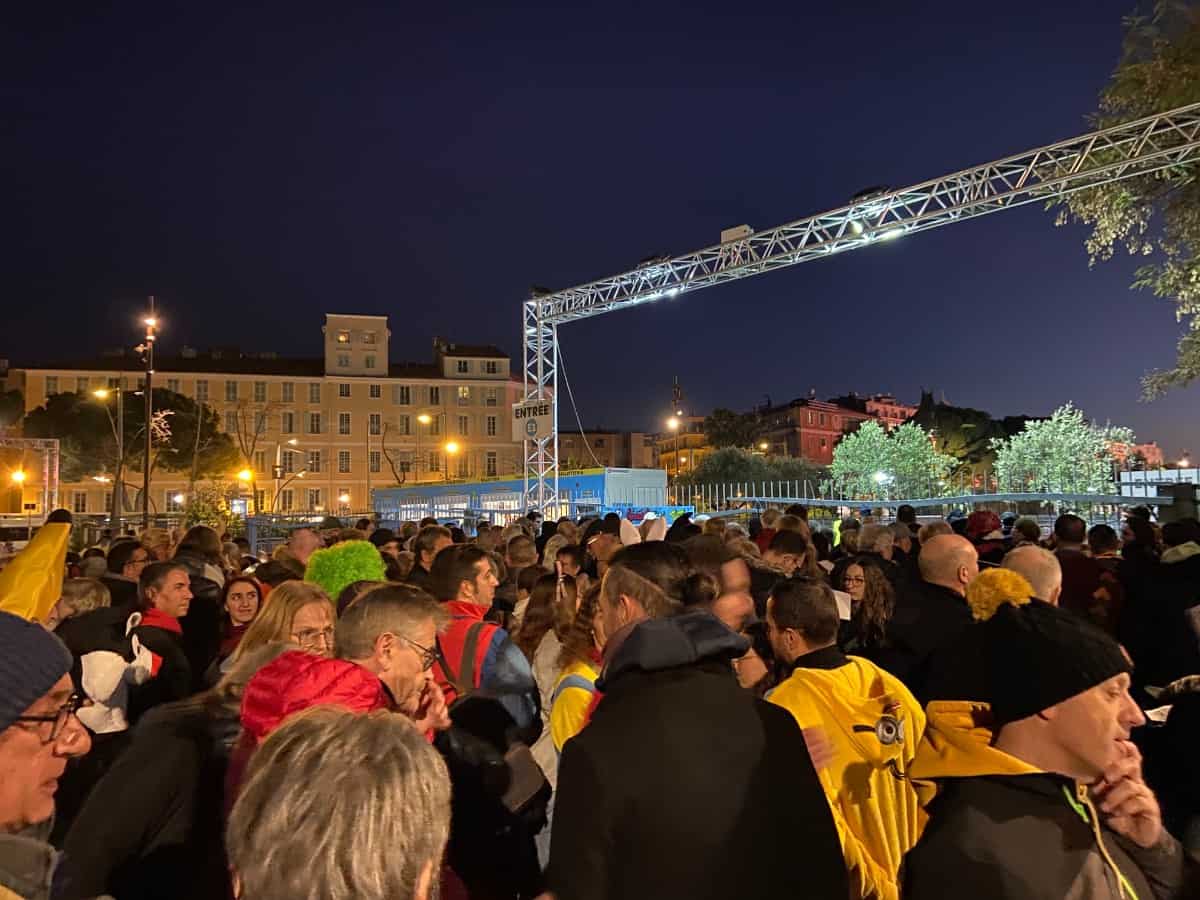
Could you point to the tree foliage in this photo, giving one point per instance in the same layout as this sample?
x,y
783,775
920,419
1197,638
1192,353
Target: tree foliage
x,y
12,408
726,428
1154,216
732,465
1062,454
209,504
873,463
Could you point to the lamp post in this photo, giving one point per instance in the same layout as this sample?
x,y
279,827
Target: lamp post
x,y
146,348
673,424
277,469
423,419
118,427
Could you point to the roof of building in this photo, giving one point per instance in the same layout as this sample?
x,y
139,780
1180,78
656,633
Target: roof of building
x,y
486,350
230,364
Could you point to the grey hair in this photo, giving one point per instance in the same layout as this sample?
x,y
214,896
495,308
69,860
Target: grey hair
x,y
1040,568
932,530
875,538
391,608
340,806
900,531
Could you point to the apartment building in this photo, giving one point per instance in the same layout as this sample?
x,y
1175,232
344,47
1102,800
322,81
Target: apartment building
x,y
318,434
607,448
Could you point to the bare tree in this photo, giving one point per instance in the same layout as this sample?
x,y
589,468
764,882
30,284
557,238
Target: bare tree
x,y
399,473
251,427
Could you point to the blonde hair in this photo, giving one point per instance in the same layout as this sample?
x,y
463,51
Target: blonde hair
x,y
85,594
340,805
274,619
550,551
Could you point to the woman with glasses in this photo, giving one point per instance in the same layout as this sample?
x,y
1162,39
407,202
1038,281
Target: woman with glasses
x,y
872,600
297,613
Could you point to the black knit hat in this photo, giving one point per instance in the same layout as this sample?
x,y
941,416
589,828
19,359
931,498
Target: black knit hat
x,y
32,660
1041,655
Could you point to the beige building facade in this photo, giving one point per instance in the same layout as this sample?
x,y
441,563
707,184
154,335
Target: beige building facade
x,y
317,434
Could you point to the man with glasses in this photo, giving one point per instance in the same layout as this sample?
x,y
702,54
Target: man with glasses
x,y
126,559
38,734
392,631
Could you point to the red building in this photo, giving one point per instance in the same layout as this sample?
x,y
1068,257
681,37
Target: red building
x,y
809,429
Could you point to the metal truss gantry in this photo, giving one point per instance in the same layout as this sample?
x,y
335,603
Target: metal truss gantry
x,y
1140,147
49,448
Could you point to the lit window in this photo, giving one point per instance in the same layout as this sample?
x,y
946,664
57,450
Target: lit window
x,y
174,502
343,337
464,395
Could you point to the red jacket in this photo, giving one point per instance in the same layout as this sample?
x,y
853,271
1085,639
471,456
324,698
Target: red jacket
x,y
453,642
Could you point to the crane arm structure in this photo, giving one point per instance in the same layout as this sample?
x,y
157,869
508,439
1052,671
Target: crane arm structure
x,y
1140,147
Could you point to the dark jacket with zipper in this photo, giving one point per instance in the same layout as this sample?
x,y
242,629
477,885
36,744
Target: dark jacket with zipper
x,y
927,618
683,785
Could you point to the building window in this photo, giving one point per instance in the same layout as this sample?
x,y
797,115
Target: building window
x,y
369,361
261,425
314,460
435,425
435,396
287,462
404,424
113,382
260,460
491,367
343,389
343,360
599,442
231,422
287,392
260,392
374,461
822,418
314,498
79,501
81,385
375,423
464,395
343,423
51,385
375,391
491,426
810,418
287,422
314,392
286,499
343,337
401,395
108,501
464,468
822,443
490,398
463,425
463,367
231,391
435,461
141,382
368,337
344,462
490,464
343,497
172,502
173,385
314,423
202,391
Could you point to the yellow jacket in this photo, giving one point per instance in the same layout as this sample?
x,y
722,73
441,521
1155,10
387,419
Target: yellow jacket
x,y
568,714
878,813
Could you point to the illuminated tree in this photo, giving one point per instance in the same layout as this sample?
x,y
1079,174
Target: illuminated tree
x,y
1064,454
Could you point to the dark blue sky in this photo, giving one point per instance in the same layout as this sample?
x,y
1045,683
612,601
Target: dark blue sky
x,y
258,168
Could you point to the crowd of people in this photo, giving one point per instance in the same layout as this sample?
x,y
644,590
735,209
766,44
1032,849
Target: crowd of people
x,y
593,710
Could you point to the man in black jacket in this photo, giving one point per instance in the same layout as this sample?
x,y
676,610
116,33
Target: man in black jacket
x,y
931,612
166,595
683,785
1052,804
126,559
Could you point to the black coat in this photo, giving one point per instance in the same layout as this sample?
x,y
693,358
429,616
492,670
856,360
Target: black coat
x,y
124,593
1021,837
153,825
173,681
927,617
685,786
202,624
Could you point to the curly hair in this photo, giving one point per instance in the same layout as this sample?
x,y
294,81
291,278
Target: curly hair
x,y
870,615
551,608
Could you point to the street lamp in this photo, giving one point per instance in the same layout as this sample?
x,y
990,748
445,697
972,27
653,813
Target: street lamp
x,y
423,419
673,425
118,428
452,449
18,476
244,476
764,446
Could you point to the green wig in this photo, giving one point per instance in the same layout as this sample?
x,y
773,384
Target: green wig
x,y
343,564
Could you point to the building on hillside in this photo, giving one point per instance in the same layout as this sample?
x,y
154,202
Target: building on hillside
x,y
682,449
884,408
606,448
339,425
1138,456
809,429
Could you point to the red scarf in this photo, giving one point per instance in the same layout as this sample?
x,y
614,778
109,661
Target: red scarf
x,y
156,618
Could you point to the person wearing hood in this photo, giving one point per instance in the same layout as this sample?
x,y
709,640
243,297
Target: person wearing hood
x,y
683,785
870,720
39,735
1040,789
168,839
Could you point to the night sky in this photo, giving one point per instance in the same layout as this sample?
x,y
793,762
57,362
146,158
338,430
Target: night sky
x,y
258,168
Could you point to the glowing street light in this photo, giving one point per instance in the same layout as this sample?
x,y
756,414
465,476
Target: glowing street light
x,y
18,476
424,418
764,446
451,447
245,475
179,498
343,498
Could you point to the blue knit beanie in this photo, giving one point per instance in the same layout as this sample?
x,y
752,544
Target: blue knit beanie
x,y
32,660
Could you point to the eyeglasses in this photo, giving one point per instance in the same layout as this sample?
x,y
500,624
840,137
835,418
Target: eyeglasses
x,y
429,655
311,637
139,560
61,717
855,579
